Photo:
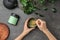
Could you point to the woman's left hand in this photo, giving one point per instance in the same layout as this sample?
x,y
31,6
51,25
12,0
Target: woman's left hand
x,y
26,29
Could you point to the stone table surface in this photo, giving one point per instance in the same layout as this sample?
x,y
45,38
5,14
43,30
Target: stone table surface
x,y
52,19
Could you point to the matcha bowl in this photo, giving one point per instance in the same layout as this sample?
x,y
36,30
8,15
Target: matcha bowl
x,y
32,23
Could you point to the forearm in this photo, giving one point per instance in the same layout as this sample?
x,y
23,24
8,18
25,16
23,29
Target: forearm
x,y
49,35
21,36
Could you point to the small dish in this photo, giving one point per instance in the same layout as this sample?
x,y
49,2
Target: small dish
x,y
4,31
31,23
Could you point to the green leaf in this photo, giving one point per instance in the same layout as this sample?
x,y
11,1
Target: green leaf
x,y
42,2
54,10
52,1
24,2
29,8
45,8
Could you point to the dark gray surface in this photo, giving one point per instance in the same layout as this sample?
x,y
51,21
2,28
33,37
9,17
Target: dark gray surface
x,y
53,22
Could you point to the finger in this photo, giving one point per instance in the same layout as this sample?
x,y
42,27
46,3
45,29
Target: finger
x,y
26,22
32,29
38,22
41,21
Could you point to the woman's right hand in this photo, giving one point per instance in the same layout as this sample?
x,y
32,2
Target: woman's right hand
x,y
41,24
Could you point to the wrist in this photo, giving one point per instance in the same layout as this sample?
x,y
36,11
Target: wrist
x,y
45,30
49,35
24,33
21,36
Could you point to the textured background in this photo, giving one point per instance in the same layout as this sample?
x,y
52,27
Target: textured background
x,y
53,22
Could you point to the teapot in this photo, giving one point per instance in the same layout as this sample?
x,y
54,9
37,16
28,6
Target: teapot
x,y
10,4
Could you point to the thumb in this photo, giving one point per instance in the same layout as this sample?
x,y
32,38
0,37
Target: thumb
x,y
38,23
32,29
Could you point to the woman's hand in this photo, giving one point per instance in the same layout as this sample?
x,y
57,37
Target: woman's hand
x,y
26,29
41,24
